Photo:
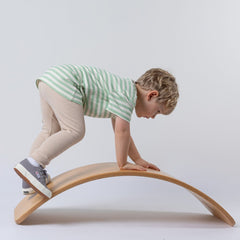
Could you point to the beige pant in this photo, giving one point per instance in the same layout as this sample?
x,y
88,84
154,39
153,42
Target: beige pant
x,y
62,125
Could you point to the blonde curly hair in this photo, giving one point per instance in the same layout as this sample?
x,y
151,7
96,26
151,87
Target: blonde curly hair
x,y
165,83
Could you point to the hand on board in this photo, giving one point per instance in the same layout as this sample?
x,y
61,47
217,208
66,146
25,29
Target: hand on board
x,y
146,164
131,166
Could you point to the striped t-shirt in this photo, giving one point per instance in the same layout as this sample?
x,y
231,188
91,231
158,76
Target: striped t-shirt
x,y
101,93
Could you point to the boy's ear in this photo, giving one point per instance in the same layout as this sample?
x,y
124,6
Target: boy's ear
x,y
151,94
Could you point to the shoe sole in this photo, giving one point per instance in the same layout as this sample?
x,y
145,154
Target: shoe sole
x,y
29,191
31,180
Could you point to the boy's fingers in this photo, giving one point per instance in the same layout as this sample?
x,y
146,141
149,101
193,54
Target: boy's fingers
x,y
142,168
137,167
134,167
154,167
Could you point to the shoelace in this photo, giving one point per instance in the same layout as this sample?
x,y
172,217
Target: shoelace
x,y
43,172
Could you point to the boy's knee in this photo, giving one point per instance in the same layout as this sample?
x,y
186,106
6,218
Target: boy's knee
x,y
50,129
78,135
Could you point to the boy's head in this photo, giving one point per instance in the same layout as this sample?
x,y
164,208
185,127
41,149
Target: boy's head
x,y
157,93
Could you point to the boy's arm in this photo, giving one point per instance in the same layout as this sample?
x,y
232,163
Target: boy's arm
x,y
122,143
131,151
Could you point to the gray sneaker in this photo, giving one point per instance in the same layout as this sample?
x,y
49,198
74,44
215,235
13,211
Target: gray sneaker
x,y
27,189
34,176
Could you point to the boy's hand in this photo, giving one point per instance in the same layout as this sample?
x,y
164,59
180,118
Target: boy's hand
x,y
132,166
146,164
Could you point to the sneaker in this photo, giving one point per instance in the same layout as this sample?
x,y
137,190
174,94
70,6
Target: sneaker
x,y
34,176
27,189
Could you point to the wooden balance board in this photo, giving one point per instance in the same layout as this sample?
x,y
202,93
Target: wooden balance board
x,y
92,172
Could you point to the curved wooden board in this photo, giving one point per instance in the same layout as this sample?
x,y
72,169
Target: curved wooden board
x,y
92,172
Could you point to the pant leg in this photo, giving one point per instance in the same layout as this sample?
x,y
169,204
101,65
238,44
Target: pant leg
x,y
70,117
50,124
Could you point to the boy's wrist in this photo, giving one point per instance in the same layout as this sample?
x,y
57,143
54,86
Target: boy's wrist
x,y
135,159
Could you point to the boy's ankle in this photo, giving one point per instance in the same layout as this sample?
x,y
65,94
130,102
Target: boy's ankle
x,y
33,162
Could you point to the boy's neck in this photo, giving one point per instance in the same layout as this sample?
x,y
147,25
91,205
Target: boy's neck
x,y
140,92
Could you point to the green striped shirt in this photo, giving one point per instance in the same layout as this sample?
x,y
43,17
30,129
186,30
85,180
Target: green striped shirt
x,y
102,94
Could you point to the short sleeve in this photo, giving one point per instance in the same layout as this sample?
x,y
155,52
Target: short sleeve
x,y
120,105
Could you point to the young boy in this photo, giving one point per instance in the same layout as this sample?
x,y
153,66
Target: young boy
x,y
68,92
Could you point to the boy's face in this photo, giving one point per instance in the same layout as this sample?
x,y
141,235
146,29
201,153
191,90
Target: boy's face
x,y
148,107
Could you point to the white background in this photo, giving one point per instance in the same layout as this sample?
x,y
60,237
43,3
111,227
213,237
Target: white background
x,y
198,42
